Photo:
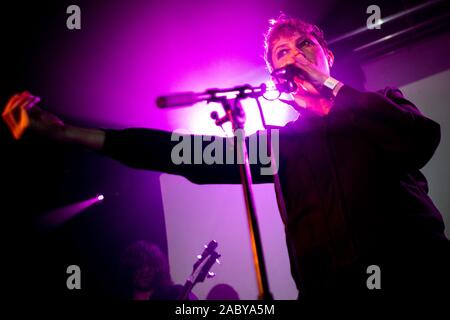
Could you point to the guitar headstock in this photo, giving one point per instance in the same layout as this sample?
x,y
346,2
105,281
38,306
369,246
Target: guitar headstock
x,y
202,267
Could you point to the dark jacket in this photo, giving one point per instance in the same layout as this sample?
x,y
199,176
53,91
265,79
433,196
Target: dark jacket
x,y
350,180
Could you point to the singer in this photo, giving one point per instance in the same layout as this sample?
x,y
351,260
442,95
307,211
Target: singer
x,y
349,173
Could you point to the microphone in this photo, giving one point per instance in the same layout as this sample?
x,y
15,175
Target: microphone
x,y
178,100
287,73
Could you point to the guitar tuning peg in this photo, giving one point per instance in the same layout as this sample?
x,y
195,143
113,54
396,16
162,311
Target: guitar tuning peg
x,y
211,275
199,256
217,261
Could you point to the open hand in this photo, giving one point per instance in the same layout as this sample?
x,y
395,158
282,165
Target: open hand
x,y
21,114
16,111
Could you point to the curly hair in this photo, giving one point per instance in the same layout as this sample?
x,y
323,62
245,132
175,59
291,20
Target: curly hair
x,y
285,26
143,253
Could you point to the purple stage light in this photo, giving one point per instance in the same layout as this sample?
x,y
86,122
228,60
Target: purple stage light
x,y
63,214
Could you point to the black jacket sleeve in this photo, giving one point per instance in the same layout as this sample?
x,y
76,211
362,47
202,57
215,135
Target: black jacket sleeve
x,y
153,150
404,136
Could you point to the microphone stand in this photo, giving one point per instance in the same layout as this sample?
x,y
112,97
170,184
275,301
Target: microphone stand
x,y
236,116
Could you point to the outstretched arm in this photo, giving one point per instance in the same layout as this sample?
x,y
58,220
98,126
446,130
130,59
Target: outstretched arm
x,y
184,154
21,115
90,138
138,148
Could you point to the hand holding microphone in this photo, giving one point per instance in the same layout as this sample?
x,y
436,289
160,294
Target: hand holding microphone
x,y
299,72
309,71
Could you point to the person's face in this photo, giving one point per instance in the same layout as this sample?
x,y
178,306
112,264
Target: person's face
x,y
286,48
144,278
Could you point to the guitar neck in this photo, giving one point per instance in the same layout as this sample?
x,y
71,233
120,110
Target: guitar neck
x,y
184,295
201,269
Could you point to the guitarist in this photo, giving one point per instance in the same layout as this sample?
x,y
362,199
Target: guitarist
x,y
146,274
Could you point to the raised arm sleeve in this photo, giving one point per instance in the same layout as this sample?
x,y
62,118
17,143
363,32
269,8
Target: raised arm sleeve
x,y
155,150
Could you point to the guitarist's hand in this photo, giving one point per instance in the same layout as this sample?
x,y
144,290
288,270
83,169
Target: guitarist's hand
x,y
21,114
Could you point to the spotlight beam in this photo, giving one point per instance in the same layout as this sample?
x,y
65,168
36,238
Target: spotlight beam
x,y
57,217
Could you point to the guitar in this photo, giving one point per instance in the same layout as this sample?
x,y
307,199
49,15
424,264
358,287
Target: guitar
x,y
201,269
